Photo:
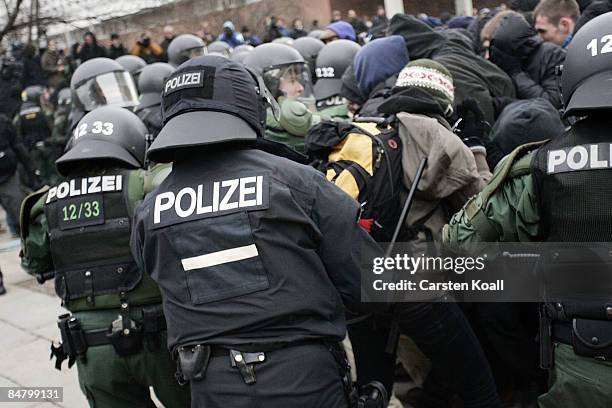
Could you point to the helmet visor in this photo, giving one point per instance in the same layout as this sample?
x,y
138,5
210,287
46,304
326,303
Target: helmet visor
x,y
112,88
291,81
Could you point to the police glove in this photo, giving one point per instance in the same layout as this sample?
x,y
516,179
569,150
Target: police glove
x,y
511,64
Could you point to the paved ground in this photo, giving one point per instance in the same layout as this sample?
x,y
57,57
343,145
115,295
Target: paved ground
x,y
28,314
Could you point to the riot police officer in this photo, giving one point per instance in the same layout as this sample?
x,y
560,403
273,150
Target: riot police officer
x,y
560,192
78,231
32,125
132,64
333,59
54,145
151,84
287,76
99,82
253,253
184,47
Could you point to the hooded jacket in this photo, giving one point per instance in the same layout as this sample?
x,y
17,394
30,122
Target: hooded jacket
x,y
472,75
539,59
524,122
369,72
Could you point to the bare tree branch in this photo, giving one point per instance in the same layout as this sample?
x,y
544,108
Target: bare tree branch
x,y
11,17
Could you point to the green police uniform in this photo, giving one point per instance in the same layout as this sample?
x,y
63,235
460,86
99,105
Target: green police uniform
x,y
336,112
508,210
292,125
100,282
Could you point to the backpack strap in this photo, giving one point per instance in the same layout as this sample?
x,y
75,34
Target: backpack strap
x,y
516,164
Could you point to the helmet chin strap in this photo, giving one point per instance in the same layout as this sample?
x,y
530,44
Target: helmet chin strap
x,y
268,100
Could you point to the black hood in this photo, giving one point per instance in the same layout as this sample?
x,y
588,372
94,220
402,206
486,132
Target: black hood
x,y
411,100
515,36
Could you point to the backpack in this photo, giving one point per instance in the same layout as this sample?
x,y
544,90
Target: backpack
x,y
364,159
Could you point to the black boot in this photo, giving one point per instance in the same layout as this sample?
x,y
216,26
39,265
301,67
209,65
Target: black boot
x,y
2,288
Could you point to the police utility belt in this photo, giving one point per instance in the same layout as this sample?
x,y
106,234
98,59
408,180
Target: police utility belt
x,y
588,337
125,334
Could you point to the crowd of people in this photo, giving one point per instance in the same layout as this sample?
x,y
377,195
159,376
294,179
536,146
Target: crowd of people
x,y
363,103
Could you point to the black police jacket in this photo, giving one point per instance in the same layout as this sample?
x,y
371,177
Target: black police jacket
x,y
249,248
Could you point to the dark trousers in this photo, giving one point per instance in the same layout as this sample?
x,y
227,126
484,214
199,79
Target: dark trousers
x,y
301,376
443,333
11,197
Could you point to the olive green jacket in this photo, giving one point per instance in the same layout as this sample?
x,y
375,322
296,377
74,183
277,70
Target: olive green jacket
x,y
506,210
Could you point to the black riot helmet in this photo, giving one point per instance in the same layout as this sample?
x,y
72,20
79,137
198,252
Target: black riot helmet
x,y
32,94
102,81
284,71
332,61
220,47
210,100
586,80
106,134
132,64
184,47
244,48
151,82
309,48
64,97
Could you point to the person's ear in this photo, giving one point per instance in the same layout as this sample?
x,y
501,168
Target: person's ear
x,y
566,25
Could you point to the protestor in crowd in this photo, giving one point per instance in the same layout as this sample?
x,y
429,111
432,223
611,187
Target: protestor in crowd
x,y
55,66
374,79
380,22
336,16
340,30
116,48
555,20
205,33
249,37
297,29
90,48
282,27
147,49
169,35
358,25
486,34
230,36
519,51
273,32
473,76
33,73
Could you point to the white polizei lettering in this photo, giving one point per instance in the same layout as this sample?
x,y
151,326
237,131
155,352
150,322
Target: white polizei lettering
x,y
162,206
84,186
215,200
201,209
192,203
220,257
108,183
225,204
94,184
595,162
119,182
244,191
51,194
62,190
73,189
183,80
555,158
583,159
259,194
